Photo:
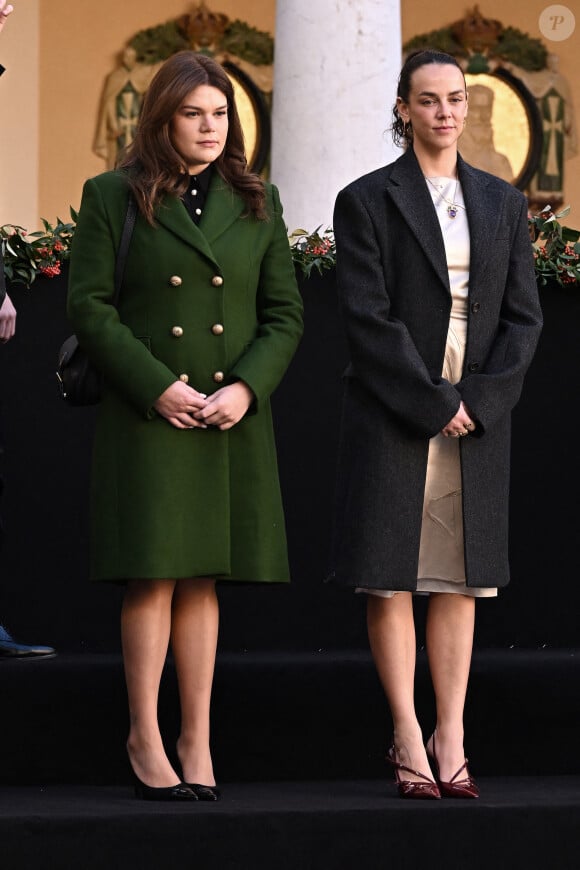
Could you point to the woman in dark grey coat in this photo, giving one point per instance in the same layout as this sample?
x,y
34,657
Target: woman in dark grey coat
x,y
437,286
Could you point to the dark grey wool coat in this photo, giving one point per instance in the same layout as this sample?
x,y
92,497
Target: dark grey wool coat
x,y
394,292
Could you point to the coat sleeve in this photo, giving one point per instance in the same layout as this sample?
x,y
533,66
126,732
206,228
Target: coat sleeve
x,y
279,315
495,389
383,355
124,360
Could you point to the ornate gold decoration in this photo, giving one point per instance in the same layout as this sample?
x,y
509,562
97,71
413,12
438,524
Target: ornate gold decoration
x,y
483,43
204,28
475,33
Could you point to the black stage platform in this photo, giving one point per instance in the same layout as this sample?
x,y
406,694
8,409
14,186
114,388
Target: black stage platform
x,y
520,823
300,725
299,743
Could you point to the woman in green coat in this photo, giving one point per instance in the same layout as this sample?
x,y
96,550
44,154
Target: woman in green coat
x,y
185,485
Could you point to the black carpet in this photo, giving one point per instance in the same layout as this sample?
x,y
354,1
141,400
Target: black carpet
x,y
299,742
517,823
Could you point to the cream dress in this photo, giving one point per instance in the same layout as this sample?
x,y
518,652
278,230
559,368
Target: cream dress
x,y
441,557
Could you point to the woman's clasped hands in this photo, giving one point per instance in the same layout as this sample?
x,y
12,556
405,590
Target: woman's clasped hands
x,y
186,408
461,424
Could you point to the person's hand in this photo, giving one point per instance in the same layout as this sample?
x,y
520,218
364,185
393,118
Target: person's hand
x,y
178,404
7,316
227,406
461,424
5,10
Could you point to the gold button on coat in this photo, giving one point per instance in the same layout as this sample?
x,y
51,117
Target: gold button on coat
x,y
217,280
177,331
218,377
175,281
217,329
184,378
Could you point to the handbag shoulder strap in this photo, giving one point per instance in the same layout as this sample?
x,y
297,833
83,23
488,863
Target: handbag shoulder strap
x,y
128,228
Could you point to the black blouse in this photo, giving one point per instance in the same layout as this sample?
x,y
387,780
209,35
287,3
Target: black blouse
x,y
195,196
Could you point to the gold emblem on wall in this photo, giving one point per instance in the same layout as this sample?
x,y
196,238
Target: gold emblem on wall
x,y
245,52
497,135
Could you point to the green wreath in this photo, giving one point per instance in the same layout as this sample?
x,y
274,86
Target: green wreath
x,y
513,45
155,44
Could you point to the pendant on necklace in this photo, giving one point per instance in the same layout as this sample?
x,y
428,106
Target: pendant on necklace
x,y
452,211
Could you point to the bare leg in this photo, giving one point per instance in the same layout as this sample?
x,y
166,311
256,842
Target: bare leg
x,y
145,630
391,630
194,640
450,626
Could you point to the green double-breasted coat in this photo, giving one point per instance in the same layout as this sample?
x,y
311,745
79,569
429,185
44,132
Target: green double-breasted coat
x,y
196,303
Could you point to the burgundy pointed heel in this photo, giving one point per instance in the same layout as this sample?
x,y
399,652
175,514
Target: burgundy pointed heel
x,y
455,788
427,790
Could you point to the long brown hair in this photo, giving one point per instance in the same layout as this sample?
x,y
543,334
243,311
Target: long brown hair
x,y
155,168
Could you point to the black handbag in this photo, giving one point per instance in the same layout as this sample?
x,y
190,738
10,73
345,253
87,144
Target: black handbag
x,y
79,381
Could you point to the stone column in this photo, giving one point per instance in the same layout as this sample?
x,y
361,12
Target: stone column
x,y
335,76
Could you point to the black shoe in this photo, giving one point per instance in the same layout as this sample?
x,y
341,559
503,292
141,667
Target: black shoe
x,y
10,649
179,792
204,792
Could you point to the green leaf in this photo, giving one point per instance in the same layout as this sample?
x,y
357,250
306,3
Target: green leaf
x,y
570,235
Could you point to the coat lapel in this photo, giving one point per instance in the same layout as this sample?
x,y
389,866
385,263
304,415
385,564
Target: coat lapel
x,y
173,215
222,209
483,203
406,187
